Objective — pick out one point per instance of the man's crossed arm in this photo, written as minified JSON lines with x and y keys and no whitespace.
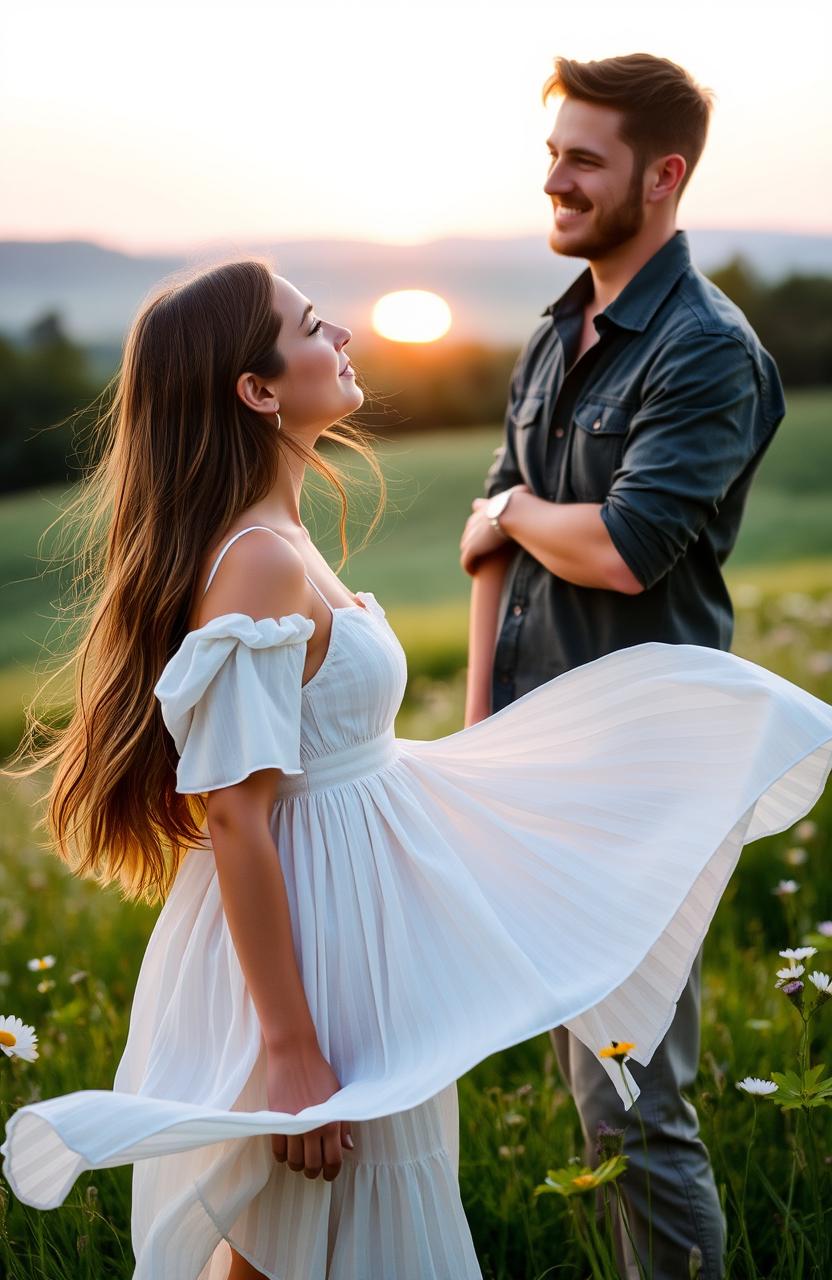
{"x":569,"y":539}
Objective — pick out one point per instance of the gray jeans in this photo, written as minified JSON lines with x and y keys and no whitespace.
{"x":685,"y":1206}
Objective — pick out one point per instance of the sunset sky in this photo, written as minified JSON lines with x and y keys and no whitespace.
{"x":170,"y":125}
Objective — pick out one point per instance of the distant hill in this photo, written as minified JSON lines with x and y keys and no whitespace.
{"x":496,"y":288}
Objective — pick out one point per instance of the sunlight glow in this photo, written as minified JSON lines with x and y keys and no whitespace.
{"x":412,"y":315}
{"x":359,"y":123}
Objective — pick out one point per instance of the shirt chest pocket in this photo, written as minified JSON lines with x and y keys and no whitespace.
{"x":527,"y":412}
{"x":527,"y":415}
{"x":598,"y":438}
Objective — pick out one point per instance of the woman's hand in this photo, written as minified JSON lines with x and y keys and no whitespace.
{"x":299,"y":1077}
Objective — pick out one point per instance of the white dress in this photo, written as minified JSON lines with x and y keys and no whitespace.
{"x":556,"y":864}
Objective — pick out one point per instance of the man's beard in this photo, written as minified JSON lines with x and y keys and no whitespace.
{"x":613,"y":228}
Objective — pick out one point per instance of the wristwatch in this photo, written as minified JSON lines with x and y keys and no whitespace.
{"x":496,"y":506}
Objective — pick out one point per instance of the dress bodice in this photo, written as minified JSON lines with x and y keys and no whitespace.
{"x":234,"y":700}
{"x":356,"y":692}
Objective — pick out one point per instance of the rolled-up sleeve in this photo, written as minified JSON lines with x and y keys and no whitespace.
{"x":700,"y":424}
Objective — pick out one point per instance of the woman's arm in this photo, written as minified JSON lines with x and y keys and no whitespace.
{"x":256,"y":908}
{"x":483,"y":623}
{"x":263,"y":576}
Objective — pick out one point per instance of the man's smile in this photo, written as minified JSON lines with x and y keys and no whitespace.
{"x":565,"y":213}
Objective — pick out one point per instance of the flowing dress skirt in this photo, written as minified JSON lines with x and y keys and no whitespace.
{"x":557,"y":864}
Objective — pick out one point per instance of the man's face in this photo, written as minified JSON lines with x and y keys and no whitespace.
{"x":594,"y":181}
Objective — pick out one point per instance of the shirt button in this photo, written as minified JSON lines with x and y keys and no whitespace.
{"x":517,"y":610}
{"x":559,"y":432}
{"x":596,"y":426}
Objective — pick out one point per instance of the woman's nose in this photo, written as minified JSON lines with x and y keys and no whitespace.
{"x":343,"y":338}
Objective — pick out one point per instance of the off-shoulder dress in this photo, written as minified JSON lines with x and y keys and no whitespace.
{"x":556,"y":864}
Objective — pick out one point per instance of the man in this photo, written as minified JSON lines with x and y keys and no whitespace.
{"x":638,"y":413}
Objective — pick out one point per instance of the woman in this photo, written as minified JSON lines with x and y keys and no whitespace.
{"x":355,"y":919}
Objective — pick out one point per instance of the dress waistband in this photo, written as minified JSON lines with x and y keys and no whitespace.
{"x":346,"y":765}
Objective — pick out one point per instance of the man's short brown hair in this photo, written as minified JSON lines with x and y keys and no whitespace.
{"x":664,"y":111}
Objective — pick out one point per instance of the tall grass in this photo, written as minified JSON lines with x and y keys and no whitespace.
{"x":517,"y":1120}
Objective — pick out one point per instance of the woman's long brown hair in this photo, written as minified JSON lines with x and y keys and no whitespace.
{"x":180,"y":458}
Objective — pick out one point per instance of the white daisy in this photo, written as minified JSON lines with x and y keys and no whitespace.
{"x":42,"y":962}
{"x":795,"y":954}
{"x":759,"y":1087}
{"x":794,"y":972}
{"x":796,"y":857}
{"x":786,"y":887}
{"x":806,"y":830}
{"x":821,"y":981}
{"x":17,"y":1039}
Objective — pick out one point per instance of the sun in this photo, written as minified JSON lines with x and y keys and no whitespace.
{"x":412,"y":315}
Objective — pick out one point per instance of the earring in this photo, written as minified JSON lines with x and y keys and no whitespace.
{"x":277,"y":416}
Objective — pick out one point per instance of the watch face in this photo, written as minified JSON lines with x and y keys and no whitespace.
{"x":495,"y":506}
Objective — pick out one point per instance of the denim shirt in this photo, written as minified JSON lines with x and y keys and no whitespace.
{"x":663,"y":422}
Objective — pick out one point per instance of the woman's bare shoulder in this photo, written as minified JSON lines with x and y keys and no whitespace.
{"x":261,"y":575}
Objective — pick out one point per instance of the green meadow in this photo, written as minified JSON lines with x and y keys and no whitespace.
{"x":411,"y":562}
{"x":517,"y":1120}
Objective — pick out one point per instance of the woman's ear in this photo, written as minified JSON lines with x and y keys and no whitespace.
{"x":256,"y":394}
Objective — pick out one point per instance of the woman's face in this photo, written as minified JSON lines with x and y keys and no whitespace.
{"x":317,"y":387}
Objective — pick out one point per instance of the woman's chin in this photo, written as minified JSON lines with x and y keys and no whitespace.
{"x":351,"y":400}
{"x":356,"y":396}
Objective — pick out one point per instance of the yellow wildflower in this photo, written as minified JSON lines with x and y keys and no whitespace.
{"x":616,"y":1049}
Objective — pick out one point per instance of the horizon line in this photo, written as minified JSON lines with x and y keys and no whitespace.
{"x":180,"y":248}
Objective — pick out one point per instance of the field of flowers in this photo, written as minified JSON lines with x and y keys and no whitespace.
{"x":70,"y":955}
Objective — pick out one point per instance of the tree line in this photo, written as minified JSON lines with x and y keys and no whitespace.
{"x":792,"y":317}
{"x":48,"y":382}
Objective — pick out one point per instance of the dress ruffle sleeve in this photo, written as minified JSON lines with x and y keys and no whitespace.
{"x":231,"y":699}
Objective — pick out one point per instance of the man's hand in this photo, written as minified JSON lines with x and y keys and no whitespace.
{"x":479,"y":537}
